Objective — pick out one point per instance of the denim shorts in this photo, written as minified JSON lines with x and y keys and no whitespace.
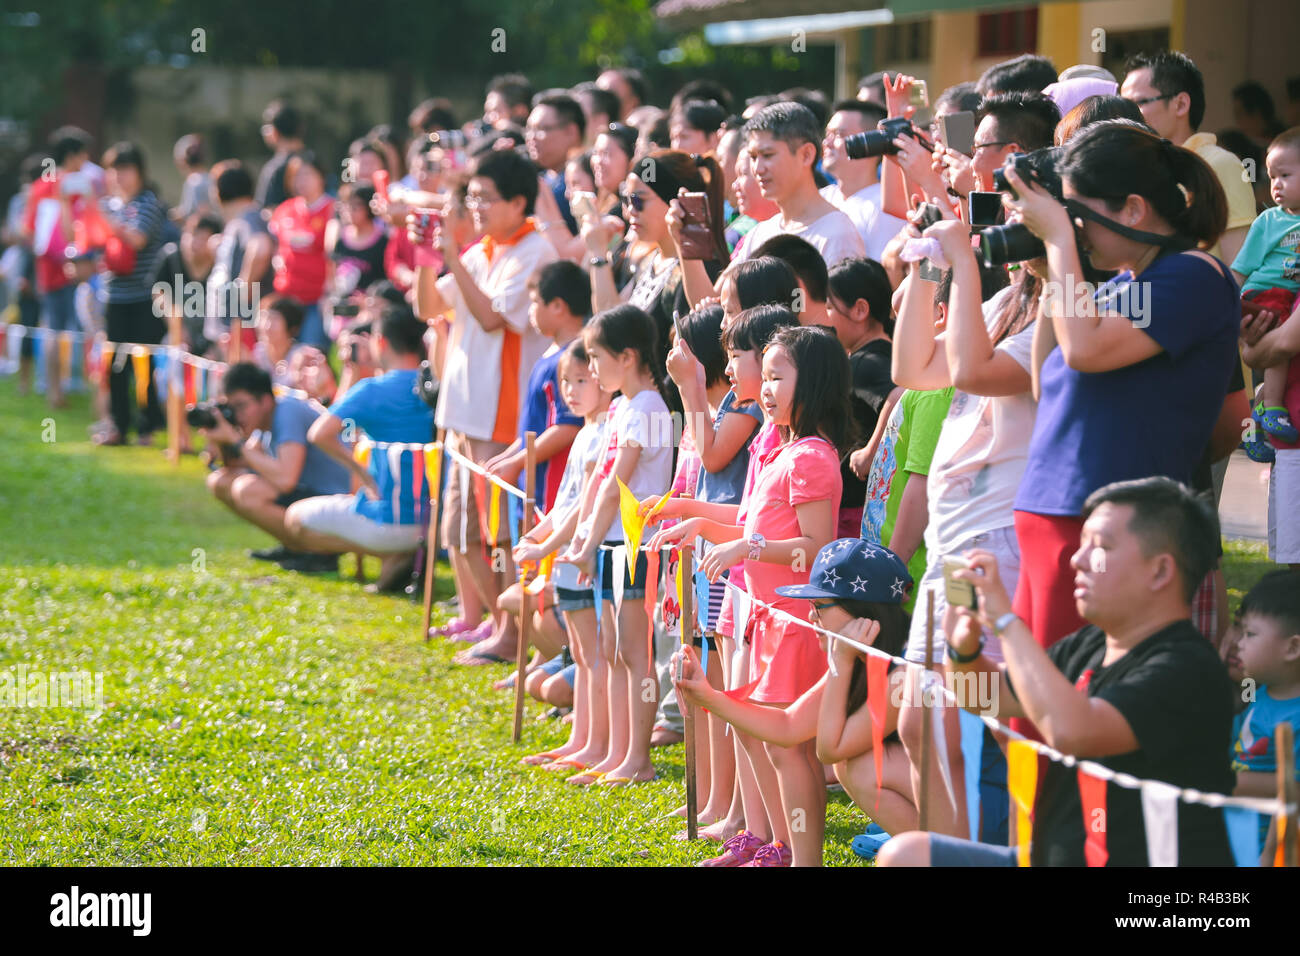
{"x":951,"y":851}
{"x":574,"y":599}
{"x":635,"y":590}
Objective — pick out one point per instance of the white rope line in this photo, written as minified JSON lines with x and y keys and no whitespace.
{"x":500,"y":483}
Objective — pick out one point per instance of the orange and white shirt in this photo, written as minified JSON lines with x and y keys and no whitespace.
{"x":486,"y":374}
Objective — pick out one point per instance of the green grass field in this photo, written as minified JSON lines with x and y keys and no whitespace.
{"x":253,"y":716}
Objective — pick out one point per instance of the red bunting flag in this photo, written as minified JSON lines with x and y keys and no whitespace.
{"x":191,"y":398}
{"x":877,"y":701}
{"x":1092,"y":796}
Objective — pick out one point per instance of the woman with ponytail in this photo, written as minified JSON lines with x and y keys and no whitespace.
{"x":1135,"y":374}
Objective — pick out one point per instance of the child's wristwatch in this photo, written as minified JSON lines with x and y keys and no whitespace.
{"x":756,"y":545}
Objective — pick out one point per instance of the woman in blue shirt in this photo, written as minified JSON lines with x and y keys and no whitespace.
{"x":1133,"y":374}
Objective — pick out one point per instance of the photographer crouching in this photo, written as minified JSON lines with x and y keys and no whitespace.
{"x":267,"y":461}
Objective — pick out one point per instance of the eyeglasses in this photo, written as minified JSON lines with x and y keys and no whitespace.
{"x":1152,"y":99}
{"x":820,"y":606}
{"x":478,"y":202}
{"x":634,"y":201}
{"x":990,"y":145}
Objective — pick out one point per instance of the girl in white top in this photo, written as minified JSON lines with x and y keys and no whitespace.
{"x":589,"y":740}
{"x":985,"y":355}
{"x":621,"y":343}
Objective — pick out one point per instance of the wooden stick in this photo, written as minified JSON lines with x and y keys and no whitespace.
{"x":431,"y":541}
{"x":525,"y":613}
{"x":175,"y":391}
{"x":923,"y":811}
{"x":688,"y":626}
{"x":1284,"y":739}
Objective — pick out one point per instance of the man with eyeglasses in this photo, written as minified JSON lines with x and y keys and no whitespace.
{"x":857,"y":187}
{"x":490,"y":353}
{"x":1010,"y":123}
{"x":556,"y":127}
{"x":1169,"y":90}
{"x":269,"y":463}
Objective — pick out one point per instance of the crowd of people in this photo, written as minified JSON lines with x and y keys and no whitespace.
{"x":994,"y":366}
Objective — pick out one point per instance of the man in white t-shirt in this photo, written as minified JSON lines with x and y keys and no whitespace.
{"x":491,"y":351}
{"x":783,"y":144}
{"x":857,"y":189}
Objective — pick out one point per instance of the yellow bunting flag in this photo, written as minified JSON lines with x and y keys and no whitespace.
{"x":433,"y":467}
{"x":494,"y":513}
{"x":681,"y":573}
{"x":649,"y":518}
{"x":362,"y":453}
{"x":140,"y":360}
{"x":1022,"y":782}
{"x":633,"y":526}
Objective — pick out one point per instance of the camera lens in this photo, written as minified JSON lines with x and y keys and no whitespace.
{"x":1011,"y":243}
{"x":869,"y":145}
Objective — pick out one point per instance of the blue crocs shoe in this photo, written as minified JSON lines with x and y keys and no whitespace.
{"x":1276,"y":422}
{"x":867,"y":845}
{"x":1259,"y":450}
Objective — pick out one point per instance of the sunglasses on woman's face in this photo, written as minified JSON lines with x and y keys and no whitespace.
{"x":633,"y":201}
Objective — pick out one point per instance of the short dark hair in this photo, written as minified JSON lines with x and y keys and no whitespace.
{"x":289,"y":310}
{"x":1255,"y":99}
{"x":1168,"y":517}
{"x":703,"y":115}
{"x":702,"y":331}
{"x":286,"y":120}
{"x":511,"y":174}
{"x":1027,"y":73}
{"x":1173,"y":73}
{"x":959,"y":98}
{"x":189,"y":149}
{"x":762,"y":280}
{"x":602,"y":100}
{"x":403,"y":332}
{"x":791,"y":123}
{"x":753,"y":329}
{"x":247,"y":377}
{"x":234,"y":182}
{"x":871,"y":113}
{"x":432,"y":114}
{"x":514,"y":88}
{"x":801,"y":256}
{"x":1026,"y":118}
{"x":566,"y":281}
{"x":817,"y":102}
{"x":568,"y":109}
{"x":68,"y":141}
{"x":875,"y":82}
{"x":124,"y":154}
{"x":854,"y":279}
{"x":1287,"y":139}
{"x":636,"y":81}
{"x":703,"y":89}
{"x":1276,"y":596}
{"x":1094,"y":109}
{"x":820,"y":405}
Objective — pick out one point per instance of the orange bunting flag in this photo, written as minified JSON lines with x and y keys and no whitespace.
{"x":877,"y":701}
{"x":361,"y":452}
{"x":140,"y":360}
{"x":480,"y":505}
{"x":65,"y":354}
{"x":1092,"y":795}
{"x":1022,"y":782}
{"x":106,"y":364}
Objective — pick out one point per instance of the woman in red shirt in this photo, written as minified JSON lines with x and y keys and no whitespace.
{"x":302,"y":267}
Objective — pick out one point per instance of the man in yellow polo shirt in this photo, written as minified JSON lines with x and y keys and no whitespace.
{"x":1169,"y":90}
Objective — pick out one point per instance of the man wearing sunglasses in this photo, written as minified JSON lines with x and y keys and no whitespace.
{"x":1169,"y":90}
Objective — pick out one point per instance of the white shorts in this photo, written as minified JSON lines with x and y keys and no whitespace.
{"x":1284,"y":508}
{"x":1002,"y":544}
{"x":336,"y":515}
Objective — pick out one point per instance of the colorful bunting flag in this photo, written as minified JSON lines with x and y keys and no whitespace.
{"x":651,"y":592}
{"x":494,"y":514}
{"x":140,"y":362}
{"x":877,"y":707}
{"x":1243,"y":834}
{"x":972,"y":757}
{"x":633,"y":524}
{"x":1092,"y":796}
{"x":1022,"y":783}
{"x":1160,"y":817}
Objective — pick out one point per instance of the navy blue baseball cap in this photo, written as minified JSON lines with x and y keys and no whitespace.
{"x":854,"y":569}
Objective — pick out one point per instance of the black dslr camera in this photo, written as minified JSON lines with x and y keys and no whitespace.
{"x":1014,"y":242}
{"x":880,"y":141}
{"x":204,"y":415}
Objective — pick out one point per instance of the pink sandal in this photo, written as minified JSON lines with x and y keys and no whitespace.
{"x":452,"y":627}
{"x":475,"y":634}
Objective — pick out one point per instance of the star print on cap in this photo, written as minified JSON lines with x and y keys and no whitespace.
{"x":854,"y":569}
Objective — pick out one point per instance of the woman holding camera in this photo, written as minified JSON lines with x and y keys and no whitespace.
{"x":1135,"y":371}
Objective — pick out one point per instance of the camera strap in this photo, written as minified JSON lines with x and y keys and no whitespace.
{"x":1172,"y":243}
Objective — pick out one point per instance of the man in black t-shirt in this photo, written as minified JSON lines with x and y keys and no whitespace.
{"x":1137,"y":690}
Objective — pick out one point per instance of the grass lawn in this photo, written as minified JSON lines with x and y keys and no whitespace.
{"x":253,"y":716}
